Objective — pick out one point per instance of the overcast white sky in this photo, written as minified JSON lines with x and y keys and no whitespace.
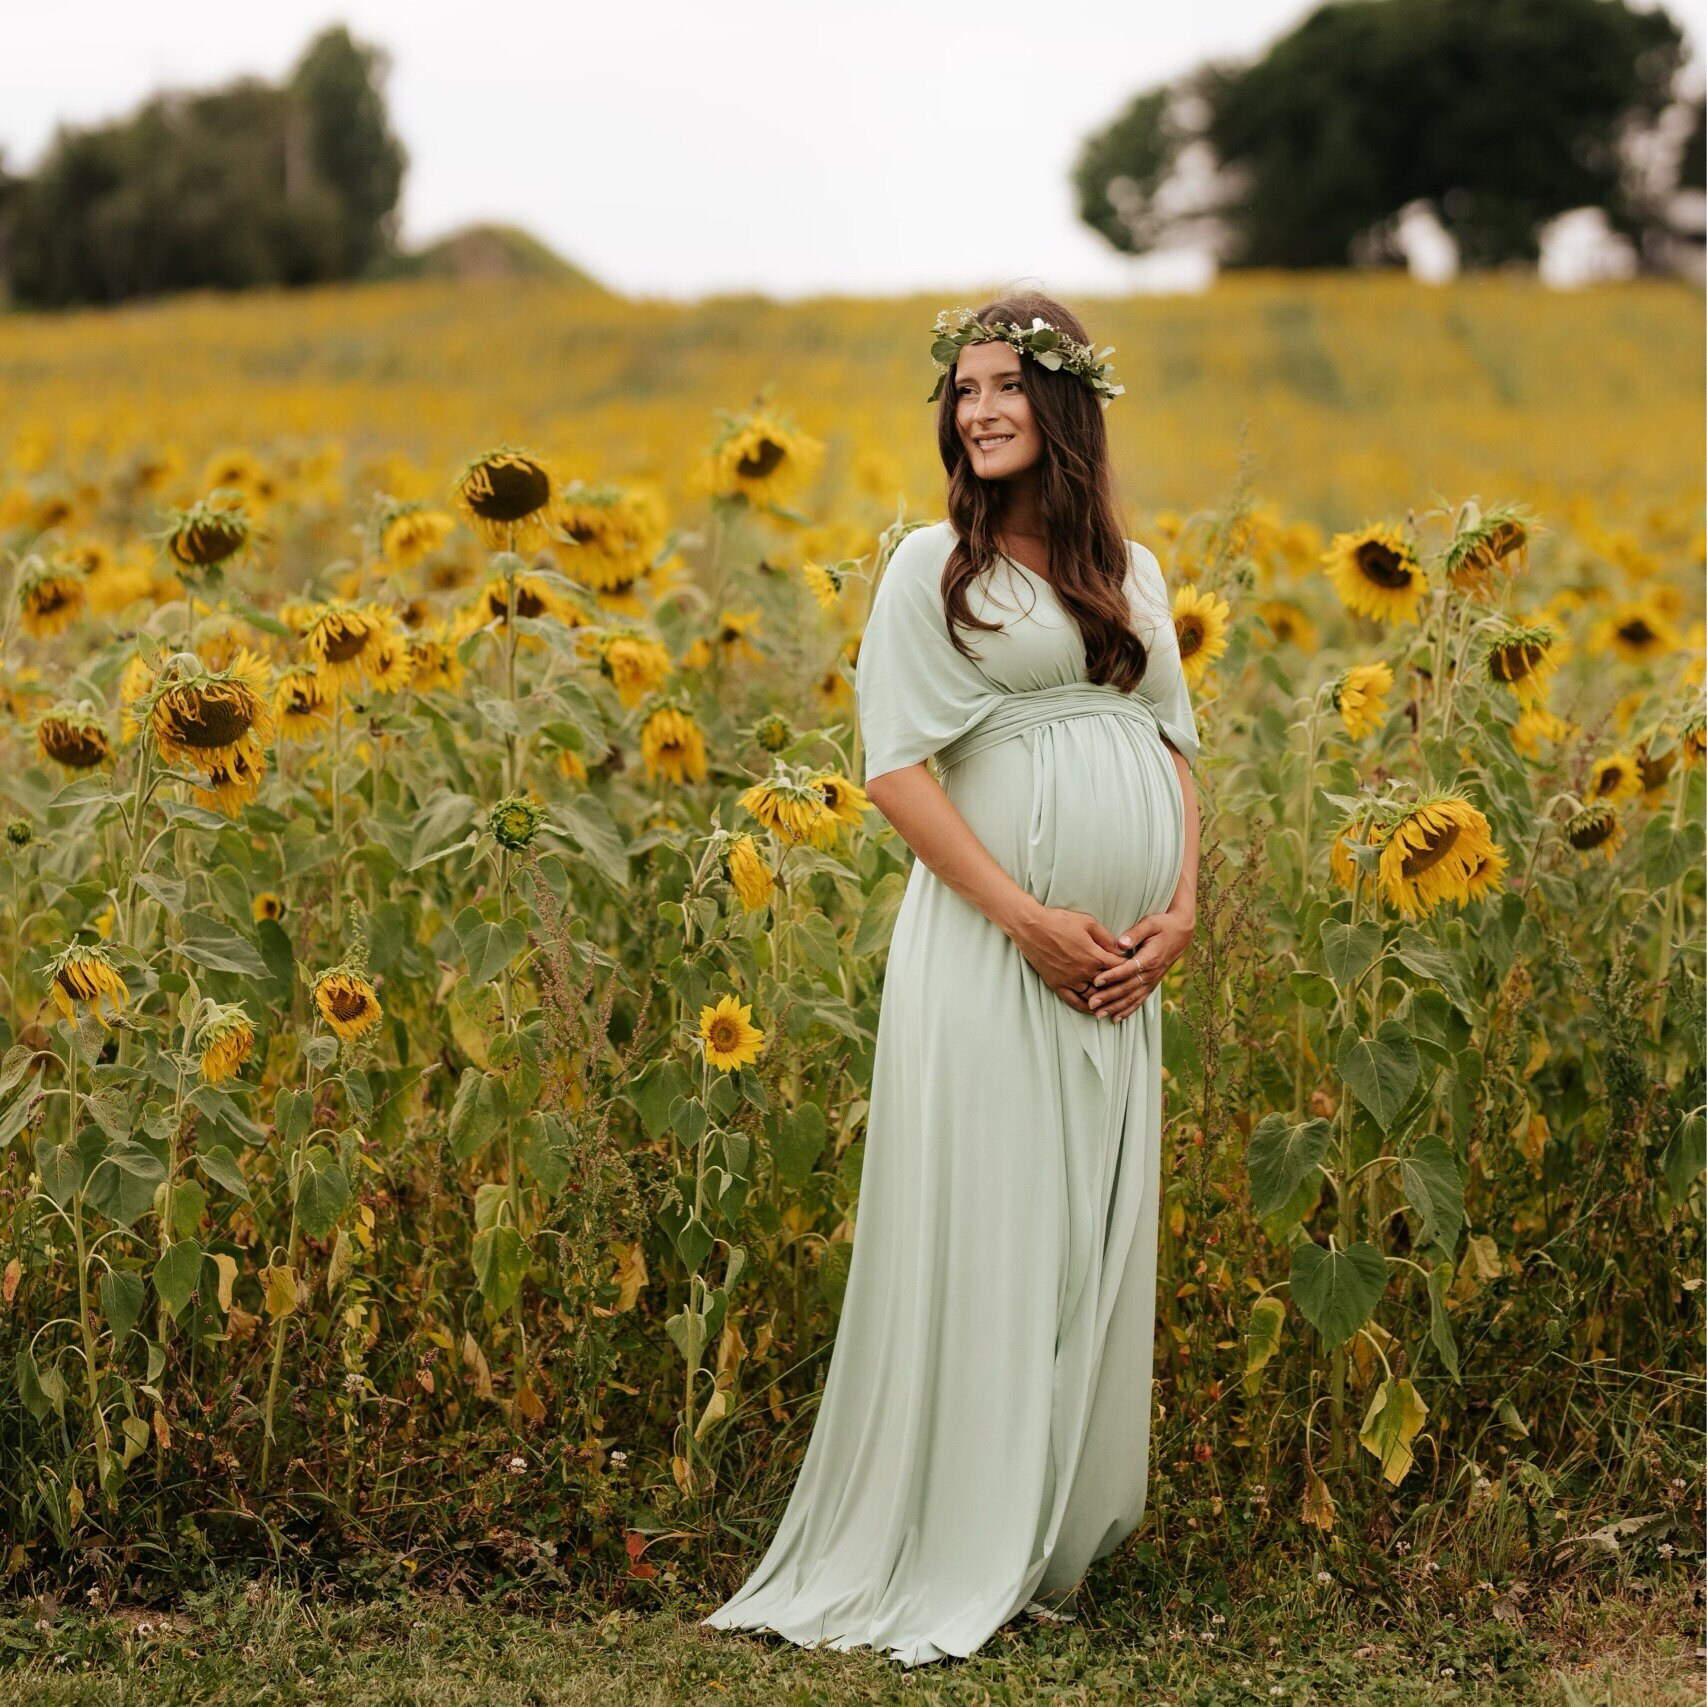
{"x":682,"y":147}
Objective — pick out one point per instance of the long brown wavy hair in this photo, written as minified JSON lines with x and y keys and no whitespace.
{"x":1089,"y":558}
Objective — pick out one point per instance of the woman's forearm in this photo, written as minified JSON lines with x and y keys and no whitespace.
{"x":931,"y":825}
{"x":1183,"y":903}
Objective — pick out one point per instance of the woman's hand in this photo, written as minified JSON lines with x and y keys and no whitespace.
{"x":1156,"y":942}
{"x":1068,"y":948}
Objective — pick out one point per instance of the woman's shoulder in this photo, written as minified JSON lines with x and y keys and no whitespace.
{"x":921,"y":553}
{"x":1149,"y":580}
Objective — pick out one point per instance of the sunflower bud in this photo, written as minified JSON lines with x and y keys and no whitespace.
{"x":515,"y":821}
{"x":20,"y":832}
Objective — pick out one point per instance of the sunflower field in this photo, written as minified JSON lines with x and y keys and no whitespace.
{"x":443,"y":932}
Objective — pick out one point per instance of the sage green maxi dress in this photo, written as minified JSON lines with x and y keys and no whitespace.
{"x":983,"y":1432}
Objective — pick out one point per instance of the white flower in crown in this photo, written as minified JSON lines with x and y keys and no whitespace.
{"x":1049,"y":347}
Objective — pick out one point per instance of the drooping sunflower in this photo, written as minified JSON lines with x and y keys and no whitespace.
{"x":267,"y":905}
{"x":847,"y":801}
{"x":749,"y":874}
{"x":1693,"y":738}
{"x":733,"y":640}
{"x":1430,"y":854}
{"x":1616,"y":776}
{"x":50,"y":598}
{"x":1359,"y":697}
{"x":536,"y":599}
{"x":673,"y":744}
{"x":1655,"y":768}
{"x":301,"y":703}
{"x":209,"y":533}
{"x":411,"y":533}
{"x":390,"y":661}
{"x":825,"y":585}
{"x":226,"y":1040}
{"x":1496,"y":538}
{"x":636,"y":665}
{"x":1535,"y":724}
{"x":210,"y":719}
{"x":1522,"y":658}
{"x":797,"y":811}
{"x":1376,"y":573}
{"x":1341,"y":864}
{"x":81,"y":972}
{"x":759,"y":458}
{"x":433,"y":662}
{"x":608,"y":536}
{"x":505,"y":496}
{"x":1597,"y":828}
{"x":1200,"y":621}
{"x":729,"y":1037}
{"x":74,"y":736}
{"x":343,"y":640}
{"x":347,"y":1002}
{"x":233,"y":783}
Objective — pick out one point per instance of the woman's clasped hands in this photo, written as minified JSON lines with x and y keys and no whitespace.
{"x":1093,"y":970}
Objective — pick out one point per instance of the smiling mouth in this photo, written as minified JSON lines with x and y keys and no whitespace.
{"x":992,"y":443}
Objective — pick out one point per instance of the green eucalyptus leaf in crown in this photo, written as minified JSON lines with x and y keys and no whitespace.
{"x":1047,"y":345}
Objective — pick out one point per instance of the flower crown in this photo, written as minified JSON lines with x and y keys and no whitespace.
{"x":955,"y":328}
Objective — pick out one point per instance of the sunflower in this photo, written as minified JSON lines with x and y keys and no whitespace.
{"x":1522,"y":659}
{"x":607,"y":537}
{"x":847,"y":801}
{"x":51,"y":598}
{"x":234,"y":783}
{"x":773,"y":732}
{"x":1639,"y":632}
{"x":636,"y":665}
{"x":571,"y":765}
{"x":1597,"y":826}
{"x":796,"y":811}
{"x":74,"y":736}
{"x":390,"y":661}
{"x":343,"y":640}
{"x":226,"y":1040}
{"x":825,"y":585}
{"x":135,"y":682}
{"x":433,"y":662}
{"x":730,"y":1040}
{"x":1617,"y":776}
{"x":301,"y":703}
{"x":536,"y":599}
{"x":1200,"y":622}
{"x":732,"y":640}
{"x":238,"y":469}
{"x":81,"y":972}
{"x":208,"y":533}
{"x":750,"y":875}
{"x":347,"y":1002}
{"x":1693,"y":738}
{"x":1287,"y":625}
{"x":410,"y":533}
{"x":113,"y":585}
{"x":1655,"y":771}
{"x":759,"y":458}
{"x":210,"y":718}
{"x":1341,"y":864}
{"x":673,"y":743}
{"x":505,"y":496}
{"x":1430,"y":854}
{"x":1376,"y":573}
{"x":1498,"y":538}
{"x":1534,"y":725}
{"x":267,"y":905}
{"x":1358,"y":697}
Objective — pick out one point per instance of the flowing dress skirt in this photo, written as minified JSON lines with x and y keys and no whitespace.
{"x":983,"y":1433}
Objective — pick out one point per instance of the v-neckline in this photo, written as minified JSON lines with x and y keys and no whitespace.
{"x":1031,"y":572}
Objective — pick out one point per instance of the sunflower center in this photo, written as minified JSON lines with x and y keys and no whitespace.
{"x":725,"y":1036}
{"x":347,"y":1003}
{"x":1382,"y":565}
{"x":210,"y":720}
{"x":79,"y":748}
{"x":1515,"y":662}
{"x":1636,"y":631}
{"x":344,"y":643}
{"x":508,"y":491}
{"x":1423,"y":858}
{"x":761,"y":460}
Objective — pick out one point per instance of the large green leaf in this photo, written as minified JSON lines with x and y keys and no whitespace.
{"x":122,"y":1293}
{"x":1381,"y":1070}
{"x":1336,"y":1291}
{"x":1435,"y":1192}
{"x":176,"y":1274}
{"x":1282,"y":1156}
{"x":488,"y":948}
{"x":1349,"y":950}
{"x":477,"y":1113}
{"x":122,"y":1184}
{"x":500,"y":1264}
{"x":322,"y":1192}
{"x":799,"y":1142}
{"x":212,"y":943}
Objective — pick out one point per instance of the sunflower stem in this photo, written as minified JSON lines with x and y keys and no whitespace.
{"x":103,"y":1441}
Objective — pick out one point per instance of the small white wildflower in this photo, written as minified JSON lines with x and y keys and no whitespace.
{"x":1324,"y":1577}
{"x":1219,"y":1618}
{"x":517,"y":1464}
{"x":619,"y":1456}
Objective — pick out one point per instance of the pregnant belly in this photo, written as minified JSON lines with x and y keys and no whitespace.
{"x":1082,"y":812}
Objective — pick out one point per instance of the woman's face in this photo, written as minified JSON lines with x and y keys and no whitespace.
{"x":993,"y":413}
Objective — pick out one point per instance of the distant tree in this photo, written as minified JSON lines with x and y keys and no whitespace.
{"x":338,"y":105}
{"x":1500,"y":114}
{"x":249,"y":185}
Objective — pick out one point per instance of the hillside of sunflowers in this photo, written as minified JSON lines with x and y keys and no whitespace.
{"x":443,"y":932}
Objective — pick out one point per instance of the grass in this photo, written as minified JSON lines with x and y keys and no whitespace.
{"x":258,"y":1643}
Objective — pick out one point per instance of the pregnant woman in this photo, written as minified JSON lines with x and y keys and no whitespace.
{"x":983,"y":1434}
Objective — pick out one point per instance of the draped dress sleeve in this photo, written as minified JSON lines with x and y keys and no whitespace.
{"x":1164,"y":676}
{"x":915,"y":691}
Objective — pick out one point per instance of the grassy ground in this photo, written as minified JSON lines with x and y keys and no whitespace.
{"x":269,"y":1645}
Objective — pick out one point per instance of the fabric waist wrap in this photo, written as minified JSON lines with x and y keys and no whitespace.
{"x":1014,"y":713}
